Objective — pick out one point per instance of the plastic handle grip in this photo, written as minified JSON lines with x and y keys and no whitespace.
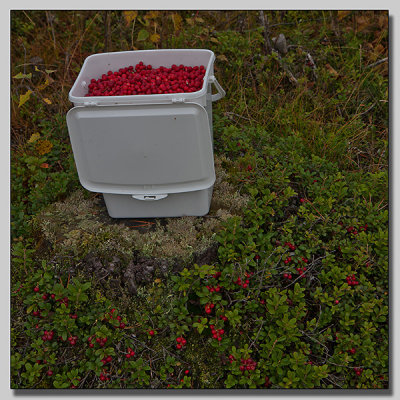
{"x":221,"y":92}
{"x":149,"y":197}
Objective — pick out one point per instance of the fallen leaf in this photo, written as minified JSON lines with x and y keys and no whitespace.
{"x":20,"y":75}
{"x":177,"y":20}
{"x":23,"y":98}
{"x":44,"y":85}
{"x":222,"y":57}
{"x":50,"y":71}
{"x":34,"y":137}
{"x":46,"y":100}
{"x":199,"y":19}
{"x":143,"y":35}
{"x":129,"y":16}
{"x":331,"y":70}
{"x":44,"y":147}
{"x":44,"y":165}
{"x":152,"y":14}
{"x":158,"y":280}
{"x":155,"y":38}
{"x":214,"y":40}
{"x":362,"y":23}
{"x":343,"y":13}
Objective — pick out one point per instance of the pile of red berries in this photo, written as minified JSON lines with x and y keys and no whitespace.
{"x":130,"y":354}
{"x":247,"y":364}
{"x":217,"y":333}
{"x":208,"y":307}
{"x":180,"y":342}
{"x":351,"y":280}
{"x":144,"y":79}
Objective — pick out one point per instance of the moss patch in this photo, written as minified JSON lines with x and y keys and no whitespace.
{"x":80,"y":226}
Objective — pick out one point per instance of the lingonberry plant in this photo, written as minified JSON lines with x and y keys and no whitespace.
{"x":295,"y":294}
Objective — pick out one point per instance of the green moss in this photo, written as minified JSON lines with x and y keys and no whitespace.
{"x":80,"y":225}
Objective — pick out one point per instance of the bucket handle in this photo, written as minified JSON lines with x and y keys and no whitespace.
{"x":221,"y":92}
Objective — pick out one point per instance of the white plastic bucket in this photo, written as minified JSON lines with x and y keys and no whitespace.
{"x":150,"y":155}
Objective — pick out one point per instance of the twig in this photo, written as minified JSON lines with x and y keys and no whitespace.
{"x":377,"y":63}
{"x":107,"y":23}
{"x":267,"y":41}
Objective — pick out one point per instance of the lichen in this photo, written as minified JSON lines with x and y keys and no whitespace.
{"x":80,"y":225}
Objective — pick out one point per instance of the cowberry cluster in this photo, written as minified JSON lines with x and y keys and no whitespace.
{"x":217,"y":333}
{"x":354,"y":231}
{"x":243,"y":283}
{"x":231,"y":358}
{"x":104,"y":377}
{"x":247,"y":364}
{"x":287,"y":276}
{"x":72,"y":340}
{"x":224,"y":318}
{"x":180,"y":342}
{"x":301,"y":271}
{"x":351,"y":280}
{"x":106,"y":360}
{"x":290,"y":245}
{"x":208,"y":307}
{"x":130,"y":353}
{"x":213,"y":289}
{"x":352,"y":350}
{"x":144,"y":79}
{"x":48,"y":335}
{"x":287,"y":261}
{"x":100,"y":341}
{"x":358,"y":370}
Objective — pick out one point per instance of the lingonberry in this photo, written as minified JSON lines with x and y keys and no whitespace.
{"x":36,"y":289}
{"x":49,"y":372}
{"x":151,"y":332}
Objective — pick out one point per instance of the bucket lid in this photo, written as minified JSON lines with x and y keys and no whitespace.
{"x":142,"y":149}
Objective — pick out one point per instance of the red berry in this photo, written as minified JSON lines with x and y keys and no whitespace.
{"x":186,"y":372}
{"x":151,"y":332}
{"x":49,"y":372}
{"x":36,"y":289}
{"x":336,"y":301}
{"x":178,"y":346}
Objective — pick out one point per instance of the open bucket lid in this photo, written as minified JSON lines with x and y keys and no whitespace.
{"x":142,"y":149}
